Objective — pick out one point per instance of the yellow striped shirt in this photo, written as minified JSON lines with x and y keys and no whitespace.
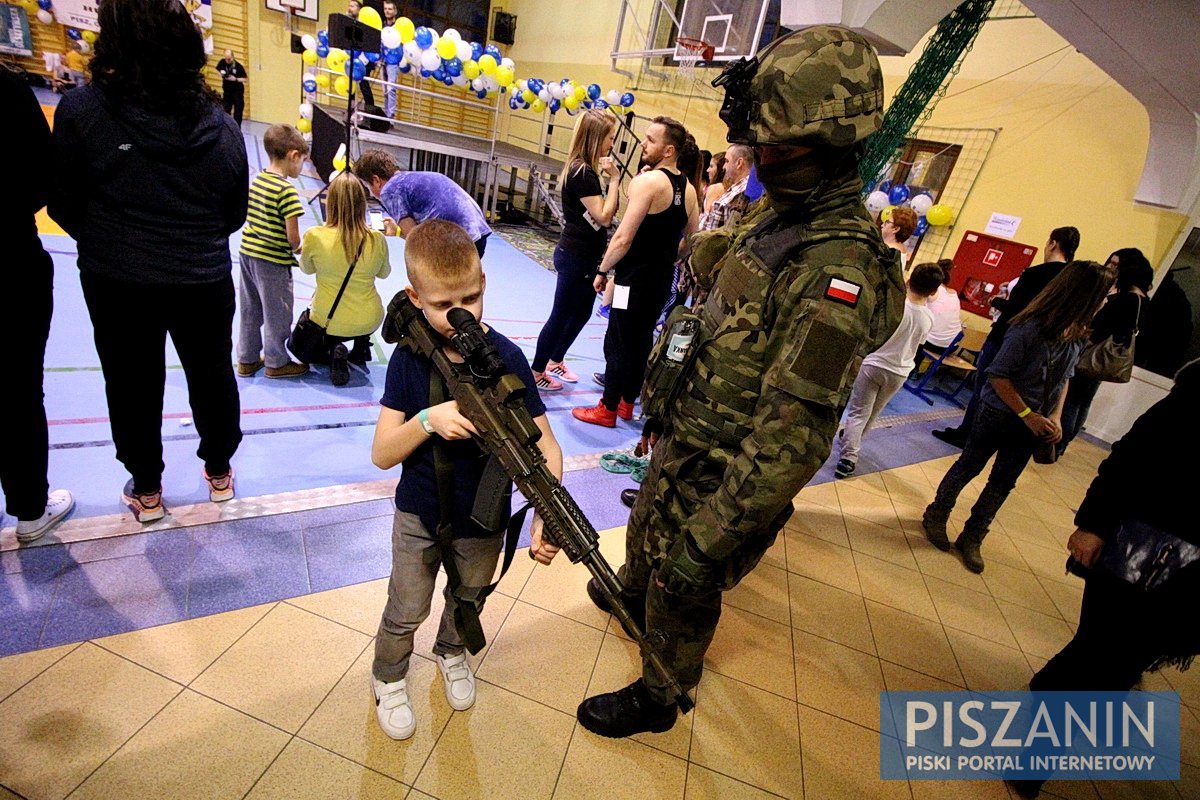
{"x":273,"y":200}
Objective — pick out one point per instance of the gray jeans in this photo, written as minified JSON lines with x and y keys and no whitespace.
{"x":415,"y":562}
{"x":264,"y":311}
{"x":873,"y":387}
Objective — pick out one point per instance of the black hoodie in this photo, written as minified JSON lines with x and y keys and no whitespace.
{"x":147,"y":199}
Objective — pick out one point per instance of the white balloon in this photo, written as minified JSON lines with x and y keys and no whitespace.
{"x":453,"y":34}
{"x":459,"y":80}
{"x":921,"y":203}
{"x":45,"y":17}
{"x":309,"y":41}
{"x":464,"y":50}
{"x":544,"y":94}
{"x":412,"y":53}
{"x":306,"y":110}
{"x":508,"y":62}
{"x":362,"y":59}
{"x":555,"y":90}
{"x":613,"y":97}
{"x":522,"y":84}
{"x":430,"y":60}
{"x":876,"y":201}
{"x":84,"y":47}
{"x":390,"y":37}
{"x":311,"y":72}
{"x":490,"y":83}
{"x":477,"y":83}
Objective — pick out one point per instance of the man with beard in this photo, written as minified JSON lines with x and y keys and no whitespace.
{"x":745,"y":395}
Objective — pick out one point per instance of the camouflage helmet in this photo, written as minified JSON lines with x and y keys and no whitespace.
{"x":818,"y":86}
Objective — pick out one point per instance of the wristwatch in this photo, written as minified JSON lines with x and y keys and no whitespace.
{"x":423,"y":418}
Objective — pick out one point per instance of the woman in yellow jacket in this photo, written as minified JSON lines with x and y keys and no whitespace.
{"x":328,"y":252}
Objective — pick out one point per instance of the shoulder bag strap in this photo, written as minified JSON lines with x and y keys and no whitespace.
{"x":345,"y":281}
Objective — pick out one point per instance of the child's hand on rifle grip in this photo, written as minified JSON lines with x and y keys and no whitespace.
{"x":448,"y":422}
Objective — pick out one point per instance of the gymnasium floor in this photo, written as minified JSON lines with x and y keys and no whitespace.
{"x":224,"y":651}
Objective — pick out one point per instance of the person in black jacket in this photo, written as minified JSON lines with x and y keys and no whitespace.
{"x":1123,"y":630}
{"x":1119,"y":318}
{"x":233,"y":85}
{"x":29,"y":289}
{"x":1059,"y":250}
{"x":150,"y":180}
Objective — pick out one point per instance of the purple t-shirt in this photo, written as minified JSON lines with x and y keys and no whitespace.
{"x":431,"y":195}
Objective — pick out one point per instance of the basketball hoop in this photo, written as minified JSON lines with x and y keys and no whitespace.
{"x":291,"y":9}
{"x":690,"y":52}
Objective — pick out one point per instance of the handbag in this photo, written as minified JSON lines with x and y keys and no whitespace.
{"x":307,"y":339}
{"x":1108,"y":361}
{"x":1145,"y":556}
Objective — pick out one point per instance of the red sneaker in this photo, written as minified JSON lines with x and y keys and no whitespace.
{"x":599,"y":415}
{"x":625,"y":410}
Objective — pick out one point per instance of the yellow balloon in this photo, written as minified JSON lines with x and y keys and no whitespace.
{"x":581,"y":93}
{"x":571,"y":102}
{"x":538,"y":105}
{"x":89,"y":37}
{"x":341,"y":85}
{"x":337,"y":59}
{"x":446,"y":48}
{"x":339,"y":163}
{"x":309,"y":57}
{"x":303,"y":125}
{"x":939,"y":215}
{"x":886,"y":214}
{"x":528,"y":96}
{"x":470,"y":69}
{"x":370,"y":17}
{"x":487,"y":64}
{"x":406,"y":29}
{"x":322,"y":80}
{"x":504,"y":75}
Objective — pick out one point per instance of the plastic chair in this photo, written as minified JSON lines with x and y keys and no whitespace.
{"x":961,"y":355}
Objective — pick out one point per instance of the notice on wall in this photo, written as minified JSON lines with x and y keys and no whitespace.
{"x":79,"y":14}
{"x":1003,"y":225}
{"x":14,"y":32}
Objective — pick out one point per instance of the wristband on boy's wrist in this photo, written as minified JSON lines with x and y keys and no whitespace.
{"x":602,"y":273}
{"x":1025,"y":412}
{"x":423,"y":418}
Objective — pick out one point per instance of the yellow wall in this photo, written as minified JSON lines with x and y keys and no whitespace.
{"x":274,"y":71}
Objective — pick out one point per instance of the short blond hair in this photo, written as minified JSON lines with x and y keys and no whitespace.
{"x":437,"y":251}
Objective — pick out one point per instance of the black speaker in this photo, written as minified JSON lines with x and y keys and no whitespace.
{"x":504,"y":28}
{"x":297,"y":45}
{"x":350,"y":34}
{"x":328,"y":134}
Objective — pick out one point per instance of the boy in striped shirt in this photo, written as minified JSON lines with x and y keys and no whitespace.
{"x":267,"y":254}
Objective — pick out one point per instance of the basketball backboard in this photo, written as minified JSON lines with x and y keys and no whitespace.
{"x":733,"y":28}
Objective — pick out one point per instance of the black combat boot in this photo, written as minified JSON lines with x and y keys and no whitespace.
{"x":635,"y":603}
{"x":968,"y":544}
{"x":934,"y":523}
{"x":626,"y":712}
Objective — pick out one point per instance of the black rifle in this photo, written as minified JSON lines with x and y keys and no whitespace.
{"x":493,"y":399}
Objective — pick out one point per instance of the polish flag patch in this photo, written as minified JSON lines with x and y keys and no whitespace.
{"x":843,"y":291}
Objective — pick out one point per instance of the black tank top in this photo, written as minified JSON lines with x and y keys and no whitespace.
{"x":651,"y":257}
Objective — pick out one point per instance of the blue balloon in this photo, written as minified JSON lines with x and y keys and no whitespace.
{"x":44,"y":5}
{"x":536,"y":85}
{"x":423,"y":37}
{"x":513,"y":103}
{"x":371,"y":57}
{"x":884,"y":186}
{"x":627,"y":99}
{"x":359,"y":72}
{"x":554,"y":106}
{"x":426,"y":73}
{"x":898,"y":194}
{"x":439,"y":74}
{"x":74,"y":34}
{"x":922,"y":226}
{"x":322,"y":50}
{"x":476,"y":51}
{"x":448,"y":80}
{"x":494,"y":52}
{"x":593,"y":91}
{"x":310,"y":85}
{"x":323,"y":37}
{"x":405,"y":68}
{"x":392,"y":55}
{"x":481,"y":94}
{"x":601,"y":104}
{"x":587,"y":104}
{"x":453,"y":67}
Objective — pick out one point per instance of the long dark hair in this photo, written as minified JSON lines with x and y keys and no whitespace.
{"x":151,"y":54}
{"x":1064,"y":309}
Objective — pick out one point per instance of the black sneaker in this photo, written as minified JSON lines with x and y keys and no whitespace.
{"x":339,"y":366}
{"x":934,"y":523}
{"x":844,"y":468}
{"x":951,"y":436}
{"x":626,"y":712}
{"x":635,"y":604}
{"x":598,"y":377}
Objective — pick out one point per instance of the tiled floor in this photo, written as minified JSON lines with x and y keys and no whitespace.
{"x":273,"y":701}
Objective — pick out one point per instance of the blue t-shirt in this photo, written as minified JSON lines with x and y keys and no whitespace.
{"x":406,"y":390}
{"x":1022,"y":359}
{"x":431,"y":195}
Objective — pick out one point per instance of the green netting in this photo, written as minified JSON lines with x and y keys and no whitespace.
{"x":925,"y":85}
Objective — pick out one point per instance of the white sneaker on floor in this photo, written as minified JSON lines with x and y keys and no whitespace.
{"x":58,"y":504}
{"x":460,"y":682}
{"x":392,"y":708}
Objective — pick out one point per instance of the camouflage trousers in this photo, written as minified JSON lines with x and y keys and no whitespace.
{"x":677,"y":484}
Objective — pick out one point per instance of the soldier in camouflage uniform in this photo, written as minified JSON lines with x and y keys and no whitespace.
{"x":801,"y":289}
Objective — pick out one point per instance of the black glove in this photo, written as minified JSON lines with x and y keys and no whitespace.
{"x":687,"y":572}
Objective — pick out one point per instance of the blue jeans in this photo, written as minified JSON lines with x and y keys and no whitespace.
{"x":994,"y":432}
{"x":390,"y":72}
{"x":1080,"y":394}
{"x":573,"y":298}
{"x":987,"y":354}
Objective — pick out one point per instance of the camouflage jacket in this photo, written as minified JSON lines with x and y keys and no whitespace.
{"x":797,"y":300}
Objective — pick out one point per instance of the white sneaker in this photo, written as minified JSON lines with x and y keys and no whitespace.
{"x":58,"y":504}
{"x":460,"y":682}
{"x":392,"y":708}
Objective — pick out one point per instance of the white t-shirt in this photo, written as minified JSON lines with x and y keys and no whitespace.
{"x":898,"y":353}
{"x":947,"y":320}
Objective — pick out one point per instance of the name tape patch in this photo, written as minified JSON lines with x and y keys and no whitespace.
{"x":843,"y":291}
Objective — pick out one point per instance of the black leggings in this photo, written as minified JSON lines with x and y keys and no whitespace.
{"x":628,"y":342}
{"x":235,"y":104}
{"x":574,"y":296}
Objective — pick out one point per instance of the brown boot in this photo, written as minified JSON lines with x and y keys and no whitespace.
{"x":246,"y":369}
{"x":288,"y":370}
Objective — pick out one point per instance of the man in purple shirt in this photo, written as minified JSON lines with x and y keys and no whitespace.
{"x":410,"y":198}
